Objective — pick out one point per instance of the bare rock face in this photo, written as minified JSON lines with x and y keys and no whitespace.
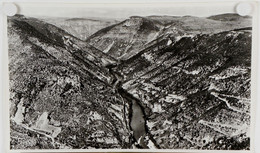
{"x":147,"y":82}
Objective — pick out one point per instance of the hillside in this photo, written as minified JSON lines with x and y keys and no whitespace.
{"x":156,"y":82}
{"x":198,"y":87}
{"x":57,"y":98}
{"x":81,"y":28}
{"x":125,"y":39}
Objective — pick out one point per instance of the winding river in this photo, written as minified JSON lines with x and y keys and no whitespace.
{"x":137,"y":117}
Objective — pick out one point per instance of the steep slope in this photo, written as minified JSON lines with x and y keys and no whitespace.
{"x":168,"y":85}
{"x":91,"y":58}
{"x":81,"y":28}
{"x":58,"y":100}
{"x":196,"y":91}
{"x":127,"y":38}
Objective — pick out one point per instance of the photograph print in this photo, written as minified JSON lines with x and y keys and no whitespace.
{"x":133,"y":77}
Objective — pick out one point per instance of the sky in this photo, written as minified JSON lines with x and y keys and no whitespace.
{"x":124,"y":10}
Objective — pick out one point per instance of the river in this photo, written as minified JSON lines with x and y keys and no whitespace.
{"x":137,"y":116}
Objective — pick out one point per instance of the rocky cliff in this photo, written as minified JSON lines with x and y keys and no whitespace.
{"x":188,"y":78}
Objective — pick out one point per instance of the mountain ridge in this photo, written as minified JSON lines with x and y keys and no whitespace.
{"x":159,"y":26}
{"x":192,"y":89}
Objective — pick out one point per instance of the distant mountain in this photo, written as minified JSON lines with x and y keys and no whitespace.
{"x":81,"y":28}
{"x":188,"y":78}
{"x":127,"y":38}
{"x":230,"y":17}
{"x":164,"y":19}
{"x":41,"y":32}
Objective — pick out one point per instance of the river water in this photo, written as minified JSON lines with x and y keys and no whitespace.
{"x":137,"y":118}
{"x":137,"y":121}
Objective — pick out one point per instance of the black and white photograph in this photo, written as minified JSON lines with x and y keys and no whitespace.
{"x":129,"y":77}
